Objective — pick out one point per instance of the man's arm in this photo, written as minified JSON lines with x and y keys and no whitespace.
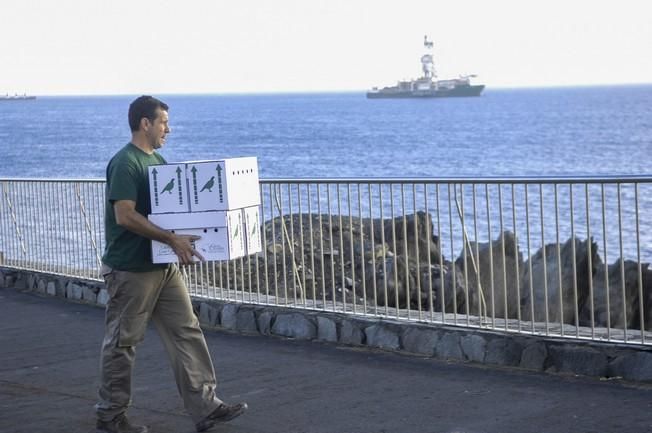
{"x":127,"y":217}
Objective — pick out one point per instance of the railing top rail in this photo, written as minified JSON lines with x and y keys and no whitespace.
{"x":644,"y":178}
{"x":51,"y":179}
{"x":469,"y":180}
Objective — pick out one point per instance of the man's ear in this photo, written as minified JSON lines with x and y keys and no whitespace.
{"x":145,"y":123}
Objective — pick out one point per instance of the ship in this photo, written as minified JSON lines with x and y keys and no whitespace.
{"x":428,"y":86}
{"x":16,"y":97}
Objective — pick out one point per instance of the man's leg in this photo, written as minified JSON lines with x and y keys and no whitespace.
{"x":184,"y":341}
{"x":132,"y":296}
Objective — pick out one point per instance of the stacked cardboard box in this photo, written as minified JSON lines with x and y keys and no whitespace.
{"x":216,"y":200}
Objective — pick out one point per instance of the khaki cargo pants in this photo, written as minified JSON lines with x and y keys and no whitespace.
{"x":134,"y":298}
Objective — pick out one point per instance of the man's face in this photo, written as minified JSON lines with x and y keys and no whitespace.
{"x":158,"y":129}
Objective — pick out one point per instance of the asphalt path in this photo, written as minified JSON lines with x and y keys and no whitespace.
{"x":49,"y":358}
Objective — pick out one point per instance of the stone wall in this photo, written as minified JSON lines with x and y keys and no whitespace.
{"x":554,"y":355}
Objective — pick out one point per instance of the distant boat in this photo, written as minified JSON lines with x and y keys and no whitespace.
{"x":428,"y":86}
{"x":16,"y":97}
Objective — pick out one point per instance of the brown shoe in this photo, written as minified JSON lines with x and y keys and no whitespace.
{"x":119,"y":424}
{"x":223,"y":413}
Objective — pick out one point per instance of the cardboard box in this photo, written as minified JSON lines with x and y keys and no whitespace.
{"x":221,"y":232}
{"x":252,"y":229}
{"x":168,"y":188}
{"x":223,"y":184}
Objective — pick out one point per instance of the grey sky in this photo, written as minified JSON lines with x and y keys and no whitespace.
{"x":202,"y":46}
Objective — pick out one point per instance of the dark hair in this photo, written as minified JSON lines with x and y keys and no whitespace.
{"x":144,"y":106}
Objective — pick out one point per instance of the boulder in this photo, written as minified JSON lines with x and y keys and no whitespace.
{"x":449,"y":294}
{"x":382,"y":337}
{"x":422,"y":341}
{"x":350,"y":333}
{"x":492,"y":276}
{"x":326,"y":329}
{"x":474,"y":347}
{"x":616,"y":300}
{"x":294,"y":325}
{"x":246,"y":321}
{"x":410,"y":235}
{"x":264,"y":321}
{"x":228,"y":316}
{"x":562,"y":299}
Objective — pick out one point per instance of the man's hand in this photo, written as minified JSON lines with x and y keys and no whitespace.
{"x":127,"y":217}
{"x":183,"y":247}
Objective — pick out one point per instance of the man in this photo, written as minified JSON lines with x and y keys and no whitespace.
{"x":139,"y":290}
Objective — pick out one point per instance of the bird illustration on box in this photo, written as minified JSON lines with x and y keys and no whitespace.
{"x":209,"y":185}
{"x":168,"y":187}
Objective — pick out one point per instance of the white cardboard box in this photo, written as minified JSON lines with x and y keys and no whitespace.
{"x":168,"y":188}
{"x":252,"y":228}
{"x":221,"y":232}
{"x":223,"y":184}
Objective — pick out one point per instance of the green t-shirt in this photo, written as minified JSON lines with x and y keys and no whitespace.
{"x":127,"y":179}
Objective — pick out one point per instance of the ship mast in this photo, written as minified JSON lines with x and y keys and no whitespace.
{"x":427,"y":63}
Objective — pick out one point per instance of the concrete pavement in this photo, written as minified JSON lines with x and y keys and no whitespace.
{"x":49,"y":354}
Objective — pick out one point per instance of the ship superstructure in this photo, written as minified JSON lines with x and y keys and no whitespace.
{"x":16,"y":97}
{"x":427,"y":86}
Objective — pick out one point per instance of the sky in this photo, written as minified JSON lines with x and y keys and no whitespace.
{"x":82,"y":47}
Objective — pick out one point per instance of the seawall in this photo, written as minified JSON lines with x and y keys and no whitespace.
{"x":514,"y":350}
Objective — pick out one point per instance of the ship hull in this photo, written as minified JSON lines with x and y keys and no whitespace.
{"x":458,"y":91}
{"x":17,"y":98}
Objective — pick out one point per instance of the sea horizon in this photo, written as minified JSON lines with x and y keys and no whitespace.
{"x":325,"y":91}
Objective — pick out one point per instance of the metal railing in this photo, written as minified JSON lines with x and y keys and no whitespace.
{"x":563,"y":256}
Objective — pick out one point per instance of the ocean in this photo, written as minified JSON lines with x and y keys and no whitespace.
{"x":588,"y":131}
{"x":520,"y":132}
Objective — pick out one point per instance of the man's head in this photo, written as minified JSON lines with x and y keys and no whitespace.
{"x":148,"y":120}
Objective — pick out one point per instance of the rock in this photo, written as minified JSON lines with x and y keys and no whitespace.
{"x":500,"y":294}
{"x":534,"y":357}
{"x":51,"y":288}
{"x":73,"y":291}
{"x":380,"y":251}
{"x":264,"y":321}
{"x":20,"y":282}
{"x":422,"y":341}
{"x":578,"y":360}
{"x":380,"y":336}
{"x":275,"y":249}
{"x":404,"y":282}
{"x":473,"y":347}
{"x":623,"y":310}
{"x":89,"y":294}
{"x":448,"y":347}
{"x":350,"y":333}
{"x":209,"y":315}
{"x":294,"y":325}
{"x":503,"y":351}
{"x":228,"y":316}
{"x":634,"y":366}
{"x":411,"y":233}
{"x":102,"y":296}
{"x":448,"y":288}
{"x":326,"y":329}
{"x":246,"y":321}
{"x":647,"y":298}
{"x":561,"y":299}
{"x":61,"y":285}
